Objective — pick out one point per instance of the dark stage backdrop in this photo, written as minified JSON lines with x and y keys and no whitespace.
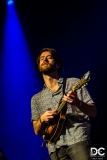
{"x":78,"y":31}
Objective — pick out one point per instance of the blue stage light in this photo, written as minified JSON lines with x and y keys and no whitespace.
{"x":18,"y":82}
{"x":10,"y":2}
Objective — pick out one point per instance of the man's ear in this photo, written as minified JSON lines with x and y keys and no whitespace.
{"x":57,"y":65}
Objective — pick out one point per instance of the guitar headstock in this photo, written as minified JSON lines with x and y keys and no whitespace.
{"x":83,"y":81}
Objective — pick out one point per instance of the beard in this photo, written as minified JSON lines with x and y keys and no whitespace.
{"x":48,"y":69}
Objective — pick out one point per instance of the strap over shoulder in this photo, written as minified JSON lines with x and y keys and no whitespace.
{"x":64,"y":85}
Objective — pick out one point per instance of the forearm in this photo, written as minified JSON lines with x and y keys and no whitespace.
{"x":86,"y":108}
{"x":38,"y":127}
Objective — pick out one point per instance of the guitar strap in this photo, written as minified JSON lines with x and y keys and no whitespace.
{"x":63,"y":89}
{"x":64,"y":85}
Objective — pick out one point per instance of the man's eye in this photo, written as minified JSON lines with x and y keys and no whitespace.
{"x":41,"y":58}
{"x":49,"y":57}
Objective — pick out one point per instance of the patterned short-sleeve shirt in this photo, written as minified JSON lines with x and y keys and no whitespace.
{"x":77,"y":126}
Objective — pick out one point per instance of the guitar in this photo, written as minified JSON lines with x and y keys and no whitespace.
{"x":53,"y":129}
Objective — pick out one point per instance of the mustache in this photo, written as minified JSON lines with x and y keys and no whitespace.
{"x":44,"y":63}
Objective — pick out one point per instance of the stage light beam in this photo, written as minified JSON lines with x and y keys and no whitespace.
{"x":18,"y":83}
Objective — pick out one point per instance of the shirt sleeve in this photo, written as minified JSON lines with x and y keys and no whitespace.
{"x":34,"y":109}
{"x":84,"y":95}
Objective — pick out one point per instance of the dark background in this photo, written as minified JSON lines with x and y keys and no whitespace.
{"x":78,"y":31}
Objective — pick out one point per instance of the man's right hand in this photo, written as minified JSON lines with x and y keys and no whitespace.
{"x":48,"y":116}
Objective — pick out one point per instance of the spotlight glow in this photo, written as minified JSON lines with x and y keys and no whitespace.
{"x":10,"y":2}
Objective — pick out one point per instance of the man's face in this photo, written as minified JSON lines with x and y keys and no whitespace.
{"x":47,"y":64}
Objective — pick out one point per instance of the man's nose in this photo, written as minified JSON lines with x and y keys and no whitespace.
{"x":45,"y":59}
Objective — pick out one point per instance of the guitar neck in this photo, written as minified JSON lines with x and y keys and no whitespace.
{"x":63,"y":103}
{"x":83,"y":82}
{"x":61,"y":106}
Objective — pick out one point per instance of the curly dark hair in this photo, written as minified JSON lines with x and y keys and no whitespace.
{"x":54,"y":54}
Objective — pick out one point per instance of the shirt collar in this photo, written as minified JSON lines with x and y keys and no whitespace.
{"x":60,"y":81}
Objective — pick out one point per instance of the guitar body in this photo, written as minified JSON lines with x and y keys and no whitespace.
{"x":53,"y":131}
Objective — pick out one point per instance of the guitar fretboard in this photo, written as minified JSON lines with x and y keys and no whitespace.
{"x":61,"y":105}
{"x":83,"y":82}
